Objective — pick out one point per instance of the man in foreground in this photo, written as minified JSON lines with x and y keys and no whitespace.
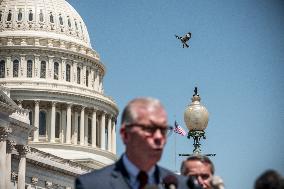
{"x":143,"y":131}
{"x":199,"y":167}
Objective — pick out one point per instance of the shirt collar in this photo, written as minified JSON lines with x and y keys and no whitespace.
{"x":133,"y":170}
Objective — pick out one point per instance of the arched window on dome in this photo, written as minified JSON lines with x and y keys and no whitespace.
{"x":29,"y":68}
{"x":51,"y":19}
{"x":0,"y":16}
{"x":68,"y":70}
{"x":9,"y":17}
{"x":20,"y":15}
{"x":56,"y":70}
{"x":42,"y":123}
{"x":76,"y":25}
{"x":41,"y":16}
{"x":42,"y":69}
{"x":78,"y":75}
{"x":2,"y":69}
{"x":69,"y":21}
{"x":31,"y":16}
{"x":81,"y":27}
{"x":87,"y":78}
{"x":16,"y":68}
{"x":60,"y":19}
{"x":57,"y":125}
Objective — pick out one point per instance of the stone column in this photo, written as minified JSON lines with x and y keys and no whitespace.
{"x":109,"y":147}
{"x":94,"y":128}
{"x":103,"y":130}
{"x":89,"y":78}
{"x":48,"y":125}
{"x":23,"y":66}
{"x":92,"y":84}
{"x":113,"y":140}
{"x":23,"y":150}
{"x":9,"y":68}
{"x":63,"y":70}
{"x":74,"y":71}
{"x":3,"y":146}
{"x":10,"y":148}
{"x":63,"y":126}
{"x":101,"y":84}
{"x":68,"y":125}
{"x":52,"y":124}
{"x":50,"y":68}
{"x":83,"y":75}
{"x":75,"y":134}
{"x":86,"y":130}
{"x":82,"y":119}
{"x":37,"y":66}
{"x":96,"y":84}
{"x":36,"y":121}
{"x":71,"y":71}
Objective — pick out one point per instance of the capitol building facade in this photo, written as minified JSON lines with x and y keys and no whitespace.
{"x":55,"y":120}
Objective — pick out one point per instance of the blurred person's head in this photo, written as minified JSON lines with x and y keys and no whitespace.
{"x":269,"y":179}
{"x":143,"y":131}
{"x":200,"y":167}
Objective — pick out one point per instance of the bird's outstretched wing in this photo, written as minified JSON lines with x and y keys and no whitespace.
{"x":177,"y":37}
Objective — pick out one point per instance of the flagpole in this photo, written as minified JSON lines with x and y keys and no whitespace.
{"x":175,"y":155}
{"x":175,"y":151}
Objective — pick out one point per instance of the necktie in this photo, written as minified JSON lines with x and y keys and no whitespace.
{"x":142,"y":177}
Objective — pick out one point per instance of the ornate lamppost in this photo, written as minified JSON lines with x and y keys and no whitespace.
{"x":196,"y":119}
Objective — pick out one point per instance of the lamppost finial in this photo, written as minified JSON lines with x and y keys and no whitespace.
{"x":195,"y":92}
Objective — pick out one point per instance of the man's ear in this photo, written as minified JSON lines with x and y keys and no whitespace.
{"x":123,"y":134}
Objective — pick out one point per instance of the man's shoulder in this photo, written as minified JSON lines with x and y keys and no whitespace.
{"x":164,"y":171}
{"x":96,"y":177}
{"x":98,"y":172}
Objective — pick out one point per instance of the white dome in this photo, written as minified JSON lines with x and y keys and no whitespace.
{"x":48,"y":64}
{"x":55,"y":19}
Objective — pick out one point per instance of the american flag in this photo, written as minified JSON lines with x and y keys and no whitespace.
{"x":179,"y":130}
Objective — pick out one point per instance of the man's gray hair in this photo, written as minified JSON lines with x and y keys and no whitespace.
{"x":201,"y":158}
{"x":129,"y":115}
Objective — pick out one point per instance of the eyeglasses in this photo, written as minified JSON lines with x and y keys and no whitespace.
{"x":151,"y":129}
{"x":203,"y":176}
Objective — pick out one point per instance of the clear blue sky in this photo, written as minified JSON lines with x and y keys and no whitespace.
{"x":236,"y":59}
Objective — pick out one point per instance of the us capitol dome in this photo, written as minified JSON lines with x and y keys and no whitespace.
{"x":53,"y":79}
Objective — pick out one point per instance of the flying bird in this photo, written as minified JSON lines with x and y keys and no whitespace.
{"x":184,"y":39}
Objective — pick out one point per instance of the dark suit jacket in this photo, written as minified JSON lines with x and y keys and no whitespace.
{"x":115,"y":176}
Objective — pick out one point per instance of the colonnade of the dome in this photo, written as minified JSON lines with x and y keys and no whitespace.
{"x":64,"y":123}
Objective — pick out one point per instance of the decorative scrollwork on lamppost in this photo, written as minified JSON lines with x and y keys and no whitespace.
{"x":196,"y":119}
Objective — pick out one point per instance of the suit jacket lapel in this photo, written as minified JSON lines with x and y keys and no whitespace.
{"x":120,"y":176}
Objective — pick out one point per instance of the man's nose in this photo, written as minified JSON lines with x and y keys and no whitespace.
{"x":158,"y":133}
{"x":158,"y":137}
{"x":200,"y":181}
